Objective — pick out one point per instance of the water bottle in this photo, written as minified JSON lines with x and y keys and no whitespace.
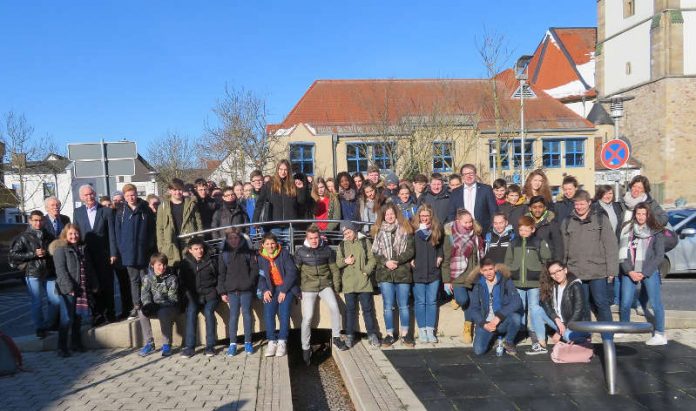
{"x":499,"y":349}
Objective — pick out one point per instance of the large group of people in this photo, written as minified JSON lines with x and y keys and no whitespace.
{"x":517,"y":263}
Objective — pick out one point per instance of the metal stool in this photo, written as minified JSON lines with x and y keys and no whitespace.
{"x":609,"y":347}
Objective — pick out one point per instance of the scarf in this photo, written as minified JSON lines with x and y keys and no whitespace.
{"x":81,"y":301}
{"x":348,"y":195}
{"x":424,"y":232}
{"x":276,"y":277}
{"x":391,"y":241}
{"x":613,"y":218}
{"x":639,"y":245}
{"x":463,"y":245}
{"x":631,"y":202}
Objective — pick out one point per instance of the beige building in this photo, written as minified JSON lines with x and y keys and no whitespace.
{"x":647,"y":50}
{"x":412,"y":126}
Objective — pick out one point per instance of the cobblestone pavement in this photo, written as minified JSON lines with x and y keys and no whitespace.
{"x":120,"y":379}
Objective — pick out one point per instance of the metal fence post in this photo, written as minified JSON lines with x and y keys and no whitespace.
{"x":291,"y":238}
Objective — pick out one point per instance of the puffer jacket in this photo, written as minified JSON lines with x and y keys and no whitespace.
{"x":590,"y":247}
{"x":464,"y":279}
{"x":317,"y":267}
{"x":526,"y":258}
{"x":402,"y":273}
{"x":356,"y":278}
{"x":288,"y":272}
{"x":227,"y":216}
{"x":67,"y":262}
{"x":426,"y":269}
{"x":238,"y":269}
{"x":572,"y":302}
{"x":199,"y":278}
{"x":506,"y":299}
{"x":23,"y":250}
{"x":497,"y":244}
{"x":162,"y":290}
{"x":548,"y":229}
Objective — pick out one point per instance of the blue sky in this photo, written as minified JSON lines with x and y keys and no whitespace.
{"x":83,"y":70}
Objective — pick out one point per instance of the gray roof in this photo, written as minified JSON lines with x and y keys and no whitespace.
{"x":45,"y":166}
{"x":599,"y":116}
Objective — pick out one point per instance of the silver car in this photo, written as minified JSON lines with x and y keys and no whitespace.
{"x":682,"y":259}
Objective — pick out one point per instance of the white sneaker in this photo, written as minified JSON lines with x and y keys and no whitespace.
{"x":271,"y":349}
{"x":639,"y":311}
{"x":657,"y":339}
{"x":282,"y":349}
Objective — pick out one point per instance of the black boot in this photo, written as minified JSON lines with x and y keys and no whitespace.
{"x":307,"y":356}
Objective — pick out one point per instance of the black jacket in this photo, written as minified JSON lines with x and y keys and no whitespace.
{"x":23,"y":250}
{"x":439,"y":202}
{"x":563,"y":208}
{"x":549,"y":230}
{"x":426,"y":269}
{"x":497,"y":244}
{"x":67,"y":260}
{"x":572,"y":303}
{"x":206,"y":207}
{"x":199,"y":278}
{"x":238,"y":269}
{"x":282,"y":206}
{"x":618,"y":210}
{"x":226,"y":216}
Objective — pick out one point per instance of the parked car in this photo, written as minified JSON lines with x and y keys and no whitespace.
{"x":682,"y":259}
{"x":7,"y":233}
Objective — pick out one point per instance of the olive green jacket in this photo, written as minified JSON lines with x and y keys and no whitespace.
{"x":356,"y":278}
{"x":402,"y":273}
{"x":463,"y":280}
{"x":167,"y":241}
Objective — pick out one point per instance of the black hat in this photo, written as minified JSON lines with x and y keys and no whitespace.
{"x":349,"y":225}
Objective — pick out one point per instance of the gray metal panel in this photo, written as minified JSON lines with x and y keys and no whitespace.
{"x":123,"y":167}
{"x":86,"y":169}
{"x":93,"y":151}
{"x":123,"y":149}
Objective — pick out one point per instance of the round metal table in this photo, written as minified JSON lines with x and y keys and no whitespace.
{"x":609,"y":347}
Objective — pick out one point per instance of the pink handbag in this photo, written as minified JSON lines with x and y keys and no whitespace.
{"x":571,"y":353}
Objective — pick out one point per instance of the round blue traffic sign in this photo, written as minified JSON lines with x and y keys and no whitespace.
{"x":615,"y":154}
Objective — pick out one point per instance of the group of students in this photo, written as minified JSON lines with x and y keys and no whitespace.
{"x":512,"y":259}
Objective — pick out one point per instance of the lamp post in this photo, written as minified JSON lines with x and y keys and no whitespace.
{"x":521,"y":70}
{"x":616,"y":109}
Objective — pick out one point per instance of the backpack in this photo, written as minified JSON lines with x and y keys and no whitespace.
{"x":671,"y":239}
{"x":10,"y":356}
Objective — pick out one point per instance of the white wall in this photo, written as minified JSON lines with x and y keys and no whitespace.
{"x":688,"y":4}
{"x":689,"y":39}
{"x":614,"y":19}
{"x":581,"y":108}
{"x":632,"y":46}
{"x":33,"y":191}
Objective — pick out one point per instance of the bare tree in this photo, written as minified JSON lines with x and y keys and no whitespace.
{"x":171,"y":155}
{"x":238,"y":136}
{"x":21,"y":148}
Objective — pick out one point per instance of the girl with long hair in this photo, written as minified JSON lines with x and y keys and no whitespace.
{"x":347,"y":195}
{"x":426,"y":270}
{"x":394,"y":249}
{"x":326,"y":205}
{"x":640,"y":264}
{"x":537,"y":184}
{"x":369,"y":205}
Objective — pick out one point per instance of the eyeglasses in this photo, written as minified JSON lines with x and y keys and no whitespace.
{"x":553,"y":273}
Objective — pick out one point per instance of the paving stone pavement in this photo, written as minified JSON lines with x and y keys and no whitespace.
{"x":122,"y":380}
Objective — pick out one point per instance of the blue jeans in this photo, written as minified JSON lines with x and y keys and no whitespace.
{"x":568,"y":335}
{"x":38,"y":289}
{"x":597,"y":289}
{"x":615,"y":293}
{"x":390,"y":293}
{"x":652,"y":288}
{"x":507,"y":329}
{"x":530,"y":306}
{"x":425,"y":301}
{"x":368,"y":308}
{"x":240,"y":300}
{"x":192,"y":309}
{"x":462,"y":297}
{"x":70,"y":322}
{"x":282,"y":310}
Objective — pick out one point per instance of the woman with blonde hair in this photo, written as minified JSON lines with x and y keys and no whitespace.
{"x":394,"y":249}
{"x":326,"y":205}
{"x":426,"y":270}
{"x":537,"y":184}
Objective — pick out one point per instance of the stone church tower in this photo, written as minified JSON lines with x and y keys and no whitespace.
{"x":647,"y":49}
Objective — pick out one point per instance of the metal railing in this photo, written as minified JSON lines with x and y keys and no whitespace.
{"x":296,"y":231}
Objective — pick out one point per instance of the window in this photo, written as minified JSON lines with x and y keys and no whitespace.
{"x":356,"y":157}
{"x":504,"y":154}
{"x":551,"y":153}
{"x":302,"y":158}
{"x":49,"y":189}
{"x":575,"y":152}
{"x":382,"y":155}
{"x":442,"y":157}
{"x":528,"y":153}
{"x":629,"y":8}
{"x":17,"y":187}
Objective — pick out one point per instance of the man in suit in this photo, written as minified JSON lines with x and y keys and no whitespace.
{"x":97,"y":230}
{"x":54,"y":221}
{"x":475,"y":197}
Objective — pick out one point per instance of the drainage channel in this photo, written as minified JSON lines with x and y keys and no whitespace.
{"x":318,"y":386}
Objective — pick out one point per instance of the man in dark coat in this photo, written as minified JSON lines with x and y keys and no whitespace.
{"x":475,"y":197}
{"x":97,"y":230}
{"x":54,"y":221}
{"x":437,"y":196}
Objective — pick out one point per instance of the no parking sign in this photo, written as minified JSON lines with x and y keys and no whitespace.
{"x":615,"y":154}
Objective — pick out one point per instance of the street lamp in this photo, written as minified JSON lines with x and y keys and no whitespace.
{"x":616,"y":109}
{"x":521,"y":74}
{"x":153,"y":179}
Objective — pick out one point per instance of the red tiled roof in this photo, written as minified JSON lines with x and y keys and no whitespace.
{"x":340,"y":104}
{"x":565,"y":56}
